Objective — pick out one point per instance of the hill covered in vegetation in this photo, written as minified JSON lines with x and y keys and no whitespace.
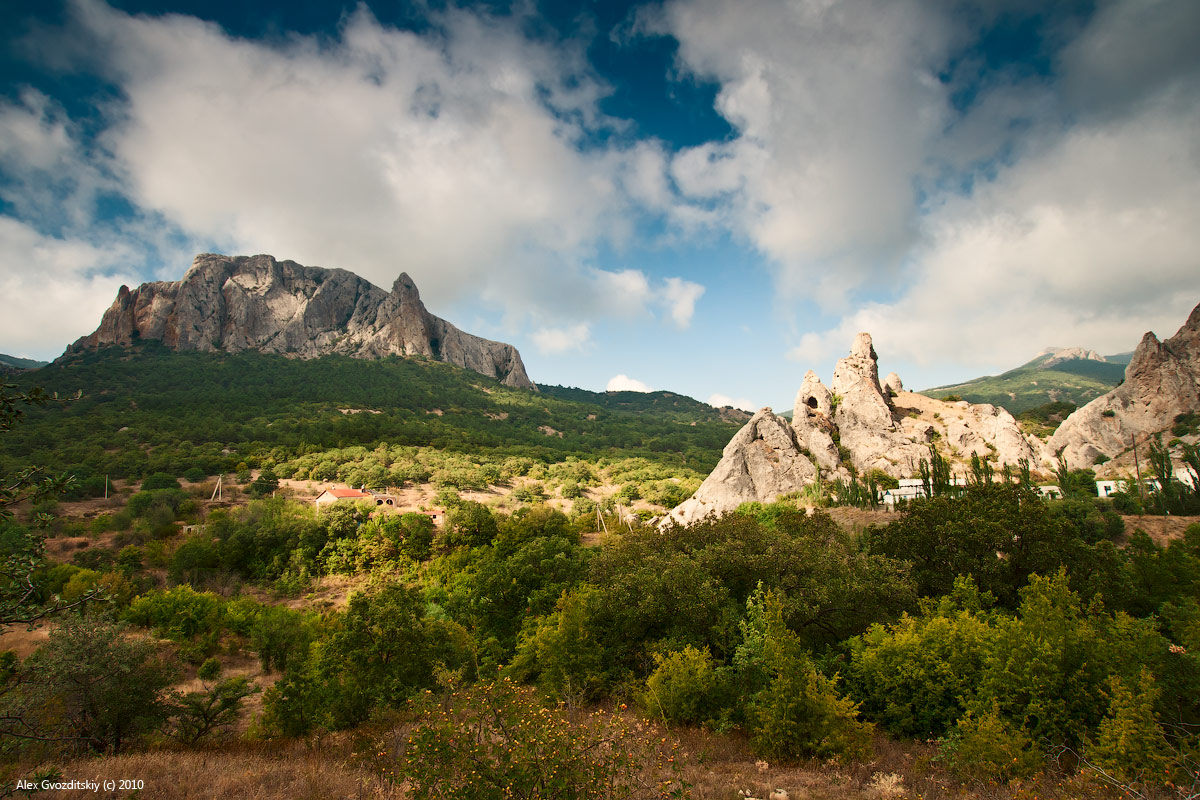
{"x":1043,"y":380}
{"x":149,"y":409}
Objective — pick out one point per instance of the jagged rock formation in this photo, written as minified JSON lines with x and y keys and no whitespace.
{"x":858,"y":425}
{"x":893,"y":434}
{"x":1059,"y":355}
{"x":1161,"y":382}
{"x":812,"y":419}
{"x":255,"y":302}
{"x":762,"y":461}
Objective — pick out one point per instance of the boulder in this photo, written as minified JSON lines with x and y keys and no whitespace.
{"x":762,"y":461}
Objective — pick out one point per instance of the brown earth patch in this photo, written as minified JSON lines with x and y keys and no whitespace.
{"x":1161,"y":529}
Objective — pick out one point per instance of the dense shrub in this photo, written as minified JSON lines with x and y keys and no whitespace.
{"x":916,"y":676}
{"x":378,"y":652}
{"x":686,"y":686}
{"x":1129,"y":743}
{"x":990,"y":747}
{"x":494,"y":740}
{"x":799,"y":713}
{"x":159,"y":480}
{"x":92,"y":686}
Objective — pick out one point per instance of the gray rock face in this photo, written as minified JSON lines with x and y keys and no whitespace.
{"x":766,"y":458}
{"x":1161,"y":382}
{"x":892,"y":384}
{"x":1060,"y":355}
{"x":812,"y":419}
{"x":762,"y":461}
{"x":258,"y":303}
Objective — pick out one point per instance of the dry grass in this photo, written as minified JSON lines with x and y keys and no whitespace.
{"x":1161,"y":529}
{"x":261,"y":771}
{"x":716,"y":766}
{"x":23,"y":641}
{"x":722,"y":767}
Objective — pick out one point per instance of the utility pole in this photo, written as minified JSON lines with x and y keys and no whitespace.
{"x":1138,"y":468}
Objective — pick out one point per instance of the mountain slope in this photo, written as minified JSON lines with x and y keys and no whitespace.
{"x":667,"y":405}
{"x":1045,"y":379}
{"x":11,"y":365}
{"x":257,"y":303}
{"x":149,"y":408}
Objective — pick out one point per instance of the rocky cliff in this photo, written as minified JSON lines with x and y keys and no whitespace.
{"x":857,"y":426}
{"x":762,"y":461}
{"x":258,"y":303}
{"x":1161,"y":382}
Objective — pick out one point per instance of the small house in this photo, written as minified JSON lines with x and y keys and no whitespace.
{"x":385,"y":501}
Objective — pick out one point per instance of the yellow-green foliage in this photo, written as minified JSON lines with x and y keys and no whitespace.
{"x":682,"y":687}
{"x":562,"y":653}
{"x":914,"y":676}
{"x":800,"y":712}
{"x":1129,"y":744}
{"x":495,"y":740}
{"x":989,"y":747}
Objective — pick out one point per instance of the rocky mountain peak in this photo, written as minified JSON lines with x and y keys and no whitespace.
{"x":405,"y":287}
{"x":1059,"y":355}
{"x":235,"y":303}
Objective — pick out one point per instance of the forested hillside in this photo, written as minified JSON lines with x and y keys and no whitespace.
{"x":984,"y":642}
{"x":127,"y":413}
{"x":1073,"y":381}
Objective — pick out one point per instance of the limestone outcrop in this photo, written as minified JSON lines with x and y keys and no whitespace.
{"x":257,"y":303}
{"x":1161,"y":382}
{"x":1059,"y":355}
{"x":812,"y":419}
{"x":855,"y":425}
{"x":893,"y":430}
{"x":762,"y":461}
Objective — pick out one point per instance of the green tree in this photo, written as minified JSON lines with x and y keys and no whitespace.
{"x":22,"y":549}
{"x":997,"y":533}
{"x":92,"y":684}
{"x":215,"y":708}
{"x":469,"y":524}
{"x":800,"y":713}
{"x":1129,"y":744}
{"x":379,"y":652}
{"x":265,"y":484}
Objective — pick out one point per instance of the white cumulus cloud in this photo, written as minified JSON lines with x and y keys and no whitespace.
{"x":553,"y":341}
{"x":624,"y":383}
{"x":721,"y":400}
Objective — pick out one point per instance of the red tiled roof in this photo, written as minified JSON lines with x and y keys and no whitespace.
{"x":348,"y":493}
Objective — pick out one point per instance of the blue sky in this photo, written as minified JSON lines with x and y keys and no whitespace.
{"x":706,"y":196}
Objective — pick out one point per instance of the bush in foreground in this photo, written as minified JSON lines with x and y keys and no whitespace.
{"x":495,"y":740}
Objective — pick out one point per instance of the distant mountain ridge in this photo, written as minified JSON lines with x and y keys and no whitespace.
{"x":1073,"y":375}
{"x":236,"y":303}
{"x":17,"y":364}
